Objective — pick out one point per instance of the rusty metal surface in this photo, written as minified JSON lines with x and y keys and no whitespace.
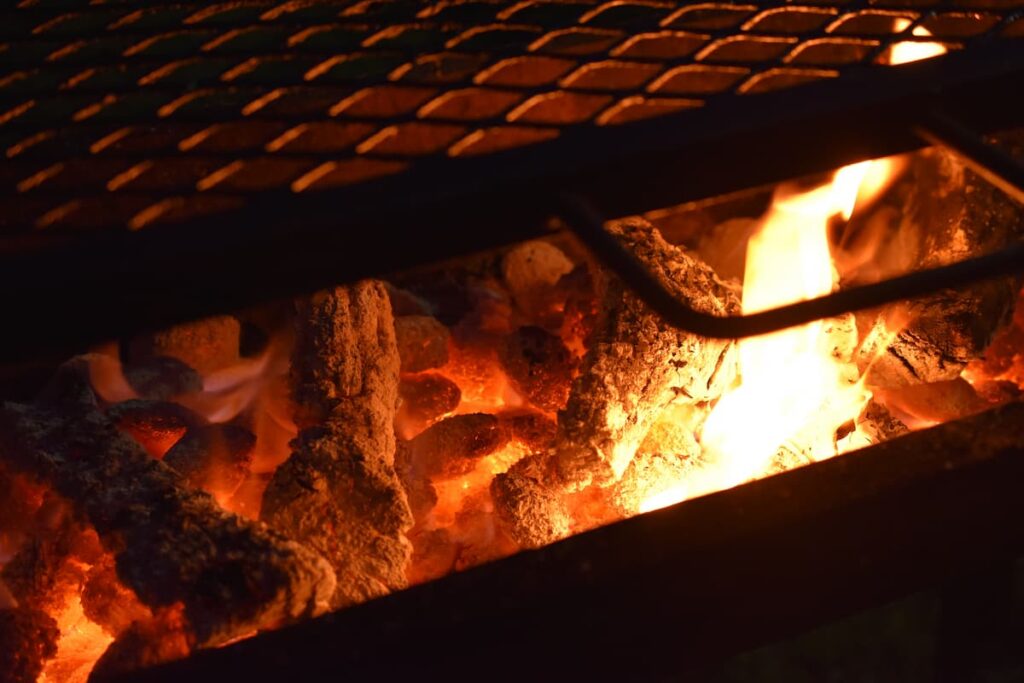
{"x":119,"y":115}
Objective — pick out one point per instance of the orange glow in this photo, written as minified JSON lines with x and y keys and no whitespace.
{"x":799,"y":385}
{"x":81,"y":643}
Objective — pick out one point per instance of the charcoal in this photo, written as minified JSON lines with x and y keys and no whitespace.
{"x":44,"y":571}
{"x":665,"y":458}
{"x":948,"y":331}
{"x":452,"y":447}
{"x":580,"y":310}
{"x":215,"y":458}
{"x":156,"y":425}
{"x":530,"y":511}
{"x":419,"y":490}
{"x":70,"y":385}
{"x":949,"y":214}
{"x":637,"y":363}
{"x":346,"y":502}
{"x":1002,"y":361}
{"x":635,"y":366}
{"x":204,"y":345}
{"x":426,"y":398}
{"x":404,"y":302}
{"x":28,"y":637}
{"x":171,"y":544}
{"x":422,"y":342}
{"x":345,"y":359}
{"x":434,"y":555}
{"x":539,"y":366}
{"x":935,"y":401}
{"x":530,"y":272}
{"x":534,"y":430}
{"x":162,"y":377}
{"x":338,"y":491}
{"x":878,"y":424}
{"x":107,"y":602}
{"x":147,"y":642}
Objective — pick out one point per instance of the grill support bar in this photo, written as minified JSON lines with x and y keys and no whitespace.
{"x":990,"y":162}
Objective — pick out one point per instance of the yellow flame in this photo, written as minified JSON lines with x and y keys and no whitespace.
{"x":799,"y":385}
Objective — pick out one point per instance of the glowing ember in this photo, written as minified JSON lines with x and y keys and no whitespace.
{"x":81,"y":644}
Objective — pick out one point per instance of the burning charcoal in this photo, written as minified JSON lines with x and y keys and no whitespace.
{"x":530,"y":272}
{"x":434,"y":555}
{"x":935,"y":401}
{"x":666,"y":456}
{"x":1003,"y":361}
{"x":539,"y":366}
{"x":342,"y":500}
{"x":28,"y":637}
{"x":171,"y":544}
{"x":204,"y":345}
{"x":162,"y":377}
{"x":404,"y":302}
{"x":526,"y":507}
{"x":637,"y":363}
{"x":161,"y":638}
{"x":215,"y":458}
{"x":70,"y":385}
{"x":537,"y":432}
{"x":156,"y":425}
{"x":419,"y":491}
{"x":476,"y":533}
{"x":949,"y":214}
{"x":422,"y":342}
{"x":44,"y":571}
{"x":107,"y":602}
{"x":345,"y":359}
{"x":946,"y":332}
{"x":425,"y":398}
{"x":338,"y":492}
{"x":453,"y":446}
{"x":878,"y":424}
{"x":580,"y":312}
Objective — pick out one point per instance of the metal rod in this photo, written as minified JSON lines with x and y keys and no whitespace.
{"x":988,"y":161}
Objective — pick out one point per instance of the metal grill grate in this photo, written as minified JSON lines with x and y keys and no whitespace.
{"x":130,"y":114}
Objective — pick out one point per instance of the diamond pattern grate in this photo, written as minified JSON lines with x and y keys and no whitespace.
{"x":125,"y":114}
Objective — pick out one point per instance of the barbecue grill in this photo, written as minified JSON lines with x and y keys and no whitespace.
{"x":166,"y":161}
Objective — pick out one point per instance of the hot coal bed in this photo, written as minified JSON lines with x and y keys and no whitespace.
{"x":436,"y":466}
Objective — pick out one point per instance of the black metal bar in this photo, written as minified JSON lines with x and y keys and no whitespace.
{"x":588,"y":226}
{"x":662,"y":594}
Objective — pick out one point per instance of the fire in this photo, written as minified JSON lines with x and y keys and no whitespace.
{"x":799,"y":386}
{"x":81,"y":643}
